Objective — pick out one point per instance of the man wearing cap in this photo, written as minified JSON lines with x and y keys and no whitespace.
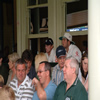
{"x":57,"y":73}
{"x":50,"y":52}
{"x":71,"y":49}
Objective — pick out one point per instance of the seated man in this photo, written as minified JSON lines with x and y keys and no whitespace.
{"x":50,"y":52}
{"x":45,"y":88}
{"x":57,"y":73}
{"x":22,"y":84}
{"x":71,"y":88}
{"x":28,"y":57}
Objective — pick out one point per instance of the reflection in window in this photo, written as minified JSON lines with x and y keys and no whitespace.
{"x":77,"y":16}
{"x":39,"y":20}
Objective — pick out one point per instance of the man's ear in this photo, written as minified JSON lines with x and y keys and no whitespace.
{"x":48,"y":73}
{"x":73,"y":70}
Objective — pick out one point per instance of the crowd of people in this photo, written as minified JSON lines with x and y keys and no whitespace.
{"x":67,"y":79}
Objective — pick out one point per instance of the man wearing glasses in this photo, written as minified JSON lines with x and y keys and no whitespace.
{"x":45,"y":89}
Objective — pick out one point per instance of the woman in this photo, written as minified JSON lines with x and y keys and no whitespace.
{"x":83,"y":71}
{"x":12,"y":59}
{"x":39,"y":58}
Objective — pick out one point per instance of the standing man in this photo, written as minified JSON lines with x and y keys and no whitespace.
{"x":50,"y":52}
{"x":71,"y":49}
{"x":28,"y":57}
{"x":71,"y":88}
{"x":57,"y":73}
{"x":22,"y":84}
{"x":45,"y":88}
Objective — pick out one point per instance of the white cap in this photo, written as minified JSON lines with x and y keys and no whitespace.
{"x":68,"y":36}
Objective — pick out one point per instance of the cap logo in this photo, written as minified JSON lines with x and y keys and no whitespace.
{"x":49,"y":40}
{"x":60,"y":50}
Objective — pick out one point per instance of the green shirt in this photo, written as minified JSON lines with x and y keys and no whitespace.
{"x":75,"y":92}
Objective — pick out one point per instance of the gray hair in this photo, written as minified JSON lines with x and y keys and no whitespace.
{"x":74,"y":64}
{"x":20,"y":61}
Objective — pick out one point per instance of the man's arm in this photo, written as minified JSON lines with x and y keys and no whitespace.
{"x":40,"y":91}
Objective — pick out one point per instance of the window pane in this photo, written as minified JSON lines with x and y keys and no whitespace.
{"x":42,"y":1}
{"x":81,"y":41}
{"x":39,"y":20}
{"x":77,"y":15}
{"x":37,"y":45}
{"x":31,"y":2}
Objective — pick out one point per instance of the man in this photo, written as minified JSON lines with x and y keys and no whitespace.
{"x":57,"y":73}
{"x":45,"y":88}
{"x":22,"y":84}
{"x":71,"y":88}
{"x":71,"y":49}
{"x":28,"y":57}
{"x":50,"y":52}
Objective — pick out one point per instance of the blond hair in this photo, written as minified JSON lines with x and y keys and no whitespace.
{"x":7,"y":93}
{"x":39,"y":58}
{"x":13,"y":57}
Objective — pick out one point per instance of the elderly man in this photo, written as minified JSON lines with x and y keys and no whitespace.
{"x":71,"y":49}
{"x":45,"y":88}
{"x":71,"y":88}
{"x":22,"y":84}
{"x":57,"y":73}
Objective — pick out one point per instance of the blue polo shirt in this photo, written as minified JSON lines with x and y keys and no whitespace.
{"x":50,"y":90}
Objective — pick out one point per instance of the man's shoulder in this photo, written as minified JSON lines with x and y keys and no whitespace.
{"x":51,"y":85}
{"x":72,"y":46}
{"x":28,"y":82}
{"x":56,"y":67}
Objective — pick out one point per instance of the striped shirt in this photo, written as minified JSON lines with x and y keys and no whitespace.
{"x":57,"y":75}
{"x":25,"y":91}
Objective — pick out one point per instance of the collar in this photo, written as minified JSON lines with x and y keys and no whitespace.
{"x":58,"y":68}
{"x":75,"y":82}
{"x":23,"y":83}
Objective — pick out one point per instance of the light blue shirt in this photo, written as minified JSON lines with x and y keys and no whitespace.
{"x":50,"y":90}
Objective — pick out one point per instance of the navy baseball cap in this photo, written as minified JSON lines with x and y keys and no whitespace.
{"x":60,"y":51}
{"x":49,"y":41}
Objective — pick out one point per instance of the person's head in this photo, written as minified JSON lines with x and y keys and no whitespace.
{"x":1,"y":81}
{"x":12,"y":59}
{"x":61,"y":56}
{"x":48,"y":45}
{"x":39,"y":58}
{"x":71,"y":69}
{"x":21,"y":67}
{"x":28,"y":57}
{"x":84,"y":64}
{"x":44,"y":72}
{"x":7,"y":93}
{"x":66,"y":40}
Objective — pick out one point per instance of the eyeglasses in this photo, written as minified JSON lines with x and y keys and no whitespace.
{"x":41,"y":71}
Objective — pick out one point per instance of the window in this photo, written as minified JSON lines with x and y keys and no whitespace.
{"x":38,"y":24}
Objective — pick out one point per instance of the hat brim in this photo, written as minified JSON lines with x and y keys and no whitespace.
{"x":72,"y":42}
{"x":60,"y":38}
{"x":53,"y":64}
